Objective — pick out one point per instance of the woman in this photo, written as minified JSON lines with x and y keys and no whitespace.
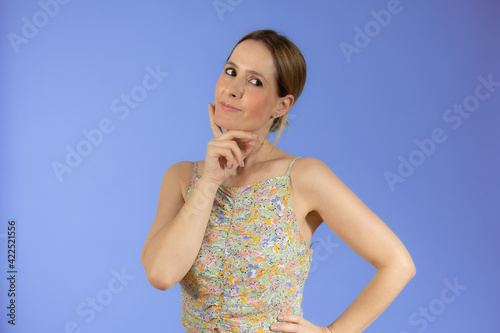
{"x":234,"y":229}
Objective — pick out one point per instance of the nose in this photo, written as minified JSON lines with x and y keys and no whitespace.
{"x":235,"y":88}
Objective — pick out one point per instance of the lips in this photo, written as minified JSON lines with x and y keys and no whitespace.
{"x":228,"y":107}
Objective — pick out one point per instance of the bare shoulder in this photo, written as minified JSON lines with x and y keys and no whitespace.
{"x":312,"y":178}
{"x":182,"y":172}
{"x":310,"y":170}
{"x":182,"y":168}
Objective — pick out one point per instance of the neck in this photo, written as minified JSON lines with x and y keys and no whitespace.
{"x":260,"y":152}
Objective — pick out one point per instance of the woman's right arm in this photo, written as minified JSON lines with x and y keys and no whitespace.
{"x":176,"y":235}
{"x":178,"y":229}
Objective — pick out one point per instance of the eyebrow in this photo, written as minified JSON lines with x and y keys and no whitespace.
{"x":250,"y":70}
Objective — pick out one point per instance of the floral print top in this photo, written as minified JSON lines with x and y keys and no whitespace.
{"x":252,"y":264}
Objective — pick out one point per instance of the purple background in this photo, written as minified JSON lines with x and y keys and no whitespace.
{"x":66,"y":67}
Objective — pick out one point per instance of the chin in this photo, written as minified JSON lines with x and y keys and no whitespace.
{"x":230,"y":128}
{"x":226,"y":125}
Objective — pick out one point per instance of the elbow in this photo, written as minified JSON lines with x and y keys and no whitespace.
{"x":158,"y":279}
{"x":412,"y":270}
{"x":159,"y":283}
{"x":407,"y":269}
{"x":157,"y":276}
{"x":406,"y":266}
{"x":402,"y":269}
{"x":409,"y":266}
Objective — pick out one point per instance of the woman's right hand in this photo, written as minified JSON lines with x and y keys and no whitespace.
{"x":226,"y":151}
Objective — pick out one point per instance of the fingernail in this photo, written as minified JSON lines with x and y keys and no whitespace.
{"x":243,"y":163}
{"x":254,"y":135}
{"x":273,"y":327}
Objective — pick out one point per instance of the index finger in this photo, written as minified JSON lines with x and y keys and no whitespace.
{"x":215,"y":128}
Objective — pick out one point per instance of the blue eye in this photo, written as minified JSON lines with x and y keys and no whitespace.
{"x":230,"y":71}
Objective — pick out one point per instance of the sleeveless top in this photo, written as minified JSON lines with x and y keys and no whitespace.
{"x":252,"y":264}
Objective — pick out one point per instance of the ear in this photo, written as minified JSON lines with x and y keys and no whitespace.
{"x":284,"y":104}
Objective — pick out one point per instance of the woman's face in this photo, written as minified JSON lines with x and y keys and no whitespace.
{"x":246,"y":93}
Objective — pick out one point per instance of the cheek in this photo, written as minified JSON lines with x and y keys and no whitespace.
{"x":221,"y":85}
{"x":259,"y":100}
{"x":218,"y":86}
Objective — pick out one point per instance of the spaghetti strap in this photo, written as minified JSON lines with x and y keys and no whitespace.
{"x":290,"y":166}
{"x":195,"y":168}
{"x":287,"y":172}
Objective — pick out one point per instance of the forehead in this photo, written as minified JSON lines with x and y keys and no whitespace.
{"x":254,"y":55}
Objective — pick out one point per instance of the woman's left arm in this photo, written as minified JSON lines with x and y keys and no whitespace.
{"x":366,"y":234}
